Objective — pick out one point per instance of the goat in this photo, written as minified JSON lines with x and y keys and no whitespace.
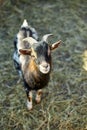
{"x":24,"y":31}
{"x":36,"y":64}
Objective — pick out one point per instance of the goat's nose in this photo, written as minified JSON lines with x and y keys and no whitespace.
{"x":45,"y":65}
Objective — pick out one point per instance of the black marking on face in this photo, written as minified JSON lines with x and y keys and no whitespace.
{"x":42,"y":50}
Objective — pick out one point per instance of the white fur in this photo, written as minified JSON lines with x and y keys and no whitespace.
{"x":29,"y":105}
{"x":22,"y":60}
{"x":44,"y":70}
{"x":20,"y":43}
{"x":25,"y":23}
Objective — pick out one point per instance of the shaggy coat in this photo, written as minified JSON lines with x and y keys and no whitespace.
{"x":32,"y":59}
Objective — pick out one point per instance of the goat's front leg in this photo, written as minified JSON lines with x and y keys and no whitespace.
{"x":29,"y":100}
{"x":38,"y":95}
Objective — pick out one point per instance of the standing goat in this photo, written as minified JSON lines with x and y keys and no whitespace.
{"x":36,"y":66}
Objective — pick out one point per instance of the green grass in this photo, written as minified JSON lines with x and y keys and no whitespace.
{"x":64,"y":102}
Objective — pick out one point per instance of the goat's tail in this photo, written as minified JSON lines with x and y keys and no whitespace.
{"x":27,"y":31}
{"x":25,"y":24}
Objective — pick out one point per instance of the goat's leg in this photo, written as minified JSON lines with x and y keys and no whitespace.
{"x":38,"y":95}
{"x":29,"y":100}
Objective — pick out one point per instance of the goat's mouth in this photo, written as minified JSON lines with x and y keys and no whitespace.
{"x":44,"y":69}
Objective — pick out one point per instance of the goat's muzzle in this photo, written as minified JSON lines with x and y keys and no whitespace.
{"x":44,"y":67}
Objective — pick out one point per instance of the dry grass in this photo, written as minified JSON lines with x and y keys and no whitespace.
{"x":64,"y":103}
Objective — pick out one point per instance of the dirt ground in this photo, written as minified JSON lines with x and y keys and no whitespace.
{"x":64,"y":102}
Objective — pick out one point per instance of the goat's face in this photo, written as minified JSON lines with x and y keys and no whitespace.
{"x":40,"y":53}
{"x":42,"y":56}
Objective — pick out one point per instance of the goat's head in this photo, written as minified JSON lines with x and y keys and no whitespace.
{"x":40,"y":52}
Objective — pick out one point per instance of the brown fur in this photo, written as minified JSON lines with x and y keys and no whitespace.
{"x":33,"y":68}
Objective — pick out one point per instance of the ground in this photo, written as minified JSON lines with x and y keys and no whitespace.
{"x":64,"y":101}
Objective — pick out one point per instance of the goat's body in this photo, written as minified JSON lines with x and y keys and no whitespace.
{"x":33,"y":59}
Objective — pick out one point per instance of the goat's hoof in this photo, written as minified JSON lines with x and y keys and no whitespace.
{"x":29,"y":105}
{"x":38,"y":100}
{"x":29,"y":109}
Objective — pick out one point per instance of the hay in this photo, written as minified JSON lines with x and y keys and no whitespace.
{"x":64,"y":103}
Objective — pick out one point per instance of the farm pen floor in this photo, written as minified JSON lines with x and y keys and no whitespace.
{"x":64,"y":102}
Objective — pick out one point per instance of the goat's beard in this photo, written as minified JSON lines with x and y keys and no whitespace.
{"x":44,"y":70}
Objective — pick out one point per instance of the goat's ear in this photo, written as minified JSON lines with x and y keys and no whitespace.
{"x":25,"y":51}
{"x":55,"y":45}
